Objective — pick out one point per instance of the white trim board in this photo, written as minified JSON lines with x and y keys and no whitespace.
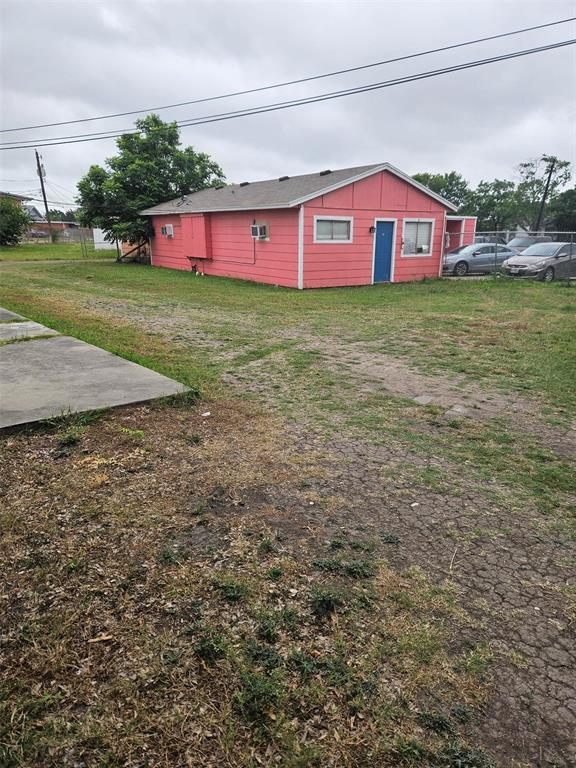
{"x":393,"y":255}
{"x":301,"y":248}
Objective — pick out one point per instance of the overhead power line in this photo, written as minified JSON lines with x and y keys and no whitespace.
{"x":79,"y":138}
{"x":294,"y":82}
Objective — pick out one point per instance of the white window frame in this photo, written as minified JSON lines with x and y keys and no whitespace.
{"x":334,"y":218}
{"x":167,"y":230}
{"x":418,"y":255}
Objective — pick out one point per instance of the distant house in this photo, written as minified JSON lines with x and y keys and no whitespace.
{"x":354,"y":226}
{"x":17,"y":198}
{"x":34,"y":214}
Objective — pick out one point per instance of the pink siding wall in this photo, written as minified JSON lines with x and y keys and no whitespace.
{"x":383,"y":196}
{"x":459,"y":232}
{"x":168,"y":251}
{"x":469,"y":230}
{"x":221,"y":244}
{"x":453,"y":235}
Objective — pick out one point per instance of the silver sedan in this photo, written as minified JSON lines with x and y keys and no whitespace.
{"x":479,"y":258}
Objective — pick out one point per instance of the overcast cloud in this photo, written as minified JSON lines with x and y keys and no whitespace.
{"x":68,"y":60}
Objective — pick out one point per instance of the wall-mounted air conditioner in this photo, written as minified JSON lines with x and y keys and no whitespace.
{"x":259,"y":231}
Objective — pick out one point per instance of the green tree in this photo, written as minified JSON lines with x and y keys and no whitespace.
{"x":452,"y":185}
{"x":57,"y":215}
{"x":562,"y":211}
{"x":150,"y":167}
{"x":14,"y":222}
{"x":530,"y":190}
{"x":495,"y":204}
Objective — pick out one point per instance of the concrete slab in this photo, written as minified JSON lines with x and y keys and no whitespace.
{"x":45,"y":378}
{"x":5,"y":314}
{"x":24,"y":330}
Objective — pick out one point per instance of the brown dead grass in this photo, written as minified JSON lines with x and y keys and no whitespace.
{"x":160,"y":536}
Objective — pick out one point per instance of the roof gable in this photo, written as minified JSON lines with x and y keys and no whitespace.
{"x":286,"y":192}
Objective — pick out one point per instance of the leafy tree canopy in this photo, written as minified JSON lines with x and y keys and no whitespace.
{"x":495,"y":205}
{"x":504,"y":204}
{"x":533,"y":178}
{"x":150,"y":167}
{"x":14,"y":221}
{"x":453,"y":186}
{"x":57,"y":215}
{"x":563,"y":211}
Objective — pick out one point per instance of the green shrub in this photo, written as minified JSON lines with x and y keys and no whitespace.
{"x":14,"y":222}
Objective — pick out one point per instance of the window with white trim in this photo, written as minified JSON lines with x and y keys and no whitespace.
{"x":333,"y":230}
{"x":417,"y":237}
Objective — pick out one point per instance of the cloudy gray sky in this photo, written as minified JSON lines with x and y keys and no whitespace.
{"x":75,"y":59}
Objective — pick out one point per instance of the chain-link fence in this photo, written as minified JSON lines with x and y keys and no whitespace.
{"x":40,"y":235}
{"x":523,"y":239}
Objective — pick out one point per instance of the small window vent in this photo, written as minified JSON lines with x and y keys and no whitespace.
{"x":167,"y":230}
{"x":325,"y":173}
{"x":283,"y":178}
{"x":244,"y":183}
{"x":259,"y":231}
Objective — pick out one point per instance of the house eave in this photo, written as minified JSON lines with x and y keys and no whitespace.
{"x":149,"y":212}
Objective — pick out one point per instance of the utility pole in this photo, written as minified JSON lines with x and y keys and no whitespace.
{"x":544,"y":196}
{"x":41,"y":172}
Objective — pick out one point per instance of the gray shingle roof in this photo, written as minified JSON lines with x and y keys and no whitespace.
{"x":274,"y":193}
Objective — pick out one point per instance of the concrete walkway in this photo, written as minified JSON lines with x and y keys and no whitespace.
{"x":44,"y":375}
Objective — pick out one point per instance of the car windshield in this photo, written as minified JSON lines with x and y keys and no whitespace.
{"x":520,"y":242}
{"x":458,"y":250}
{"x":541,"y":249}
{"x":467,"y":248}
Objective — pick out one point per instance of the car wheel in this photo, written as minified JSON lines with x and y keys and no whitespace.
{"x":461,"y":269}
{"x":548,"y":275}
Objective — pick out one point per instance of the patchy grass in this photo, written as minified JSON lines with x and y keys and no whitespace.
{"x":519,"y":335}
{"x":201,"y":612}
{"x":150,"y":648}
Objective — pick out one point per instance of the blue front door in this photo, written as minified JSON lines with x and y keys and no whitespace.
{"x":383,"y":251}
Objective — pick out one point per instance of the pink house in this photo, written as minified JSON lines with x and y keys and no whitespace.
{"x":355,"y":226}
{"x":460,"y":230}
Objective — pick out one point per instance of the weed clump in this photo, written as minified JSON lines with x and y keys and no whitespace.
{"x":263,"y":656}
{"x":211,"y":646}
{"x":354,"y":569}
{"x":231,"y":589}
{"x":325,"y":601}
{"x":435,"y":721}
{"x":258,"y":697}
{"x":71,"y":436}
{"x":460,"y":756}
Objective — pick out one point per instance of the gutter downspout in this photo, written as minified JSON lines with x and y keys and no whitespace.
{"x":301,"y":247}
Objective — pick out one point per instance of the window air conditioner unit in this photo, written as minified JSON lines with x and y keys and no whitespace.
{"x":168,"y":230}
{"x":259,"y":231}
